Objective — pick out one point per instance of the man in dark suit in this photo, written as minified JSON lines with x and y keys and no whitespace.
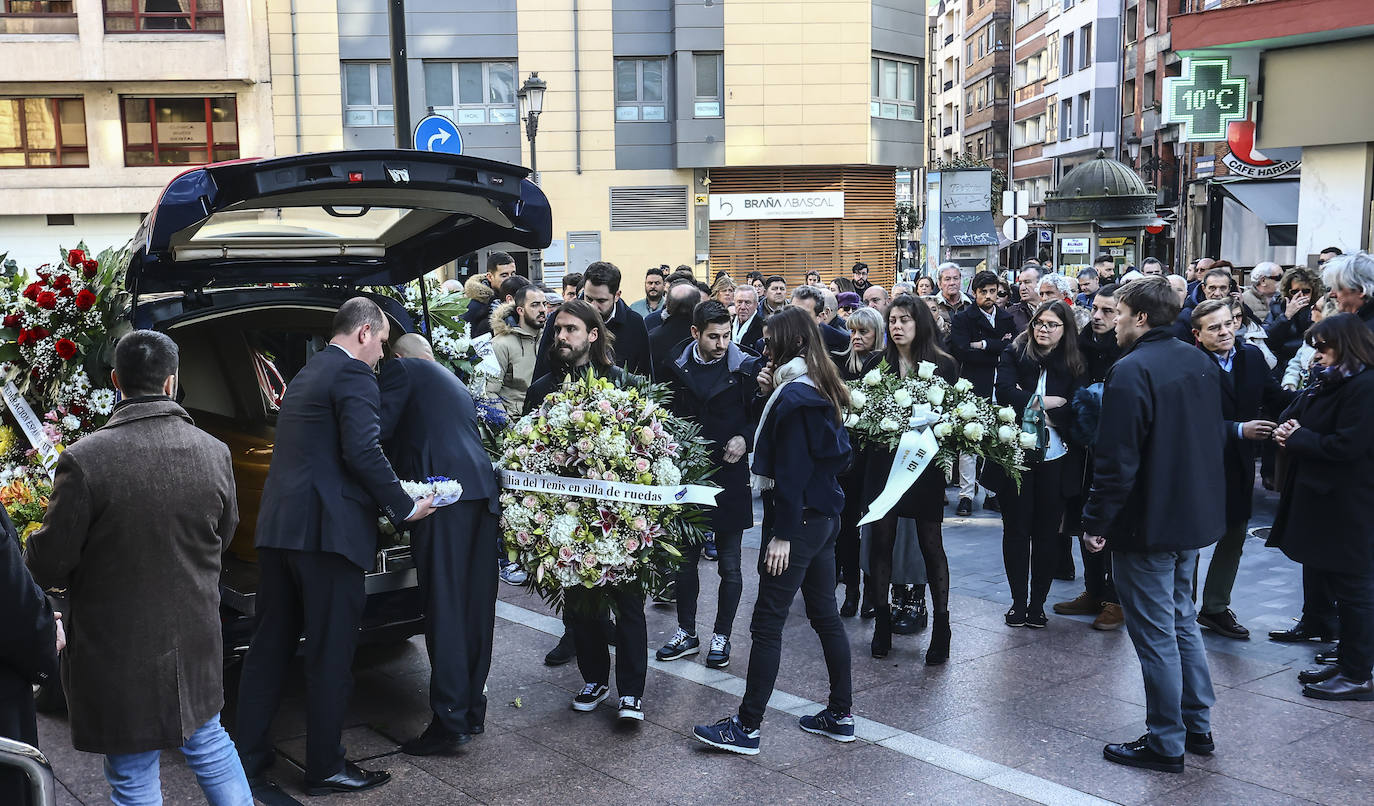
{"x":429,"y":428}
{"x":29,"y":641}
{"x":1248,"y":390}
{"x":601,"y":287}
{"x":978,"y":334}
{"x":746,"y":328}
{"x":812,"y":301}
{"x":677,"y":327}
{"x":316,"y":539}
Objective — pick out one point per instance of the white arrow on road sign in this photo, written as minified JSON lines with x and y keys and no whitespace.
{"x":442,"y":137}
{"x":438,"y":133}
{"x":1015,"y":228}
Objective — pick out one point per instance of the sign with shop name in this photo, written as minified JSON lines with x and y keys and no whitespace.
{"x":1073,"y":246}
{"x":755,"y":206}
{"x":1111,"y":241}
{"x":1205,"y":99}
{"x":181,"y":133}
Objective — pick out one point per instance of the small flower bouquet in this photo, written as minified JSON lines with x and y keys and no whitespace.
{"x":445,"y":490}
{"x":881,"y":405}
{"x":625,"y":439}
{"x":25,"y":498}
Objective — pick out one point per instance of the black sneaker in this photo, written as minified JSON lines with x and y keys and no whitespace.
{"x":1224,"y":623}
{"x":839,"y":727}
{"x":965,"y":508}
{"x":729,"y":734}
{"x":1036,"y":618}
{"x":563,"y":653}
{"x":719,"y":656}
{"x":680,"y":645}
{"x":1139,"y":754}
{"x":591,"y":696}
{"x":1016,"y":616}
{"x":631,"y":709}
{"x":1199,"y":744}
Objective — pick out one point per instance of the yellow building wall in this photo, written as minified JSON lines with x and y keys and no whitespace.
{"x":797,"y":80}
{"x":581,"y":202}
{"x":319,"y":126}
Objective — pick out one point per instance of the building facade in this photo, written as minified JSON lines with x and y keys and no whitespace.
{"x":946,"y":42}
{"x":102,"y":103}
{"x":987,"y":80}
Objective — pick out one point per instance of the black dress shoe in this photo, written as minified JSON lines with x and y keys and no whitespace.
{"x":562,"y":653}
{"x":1302,"y":631}
{"x":1341,"y":687}
{"x":1326,"y":658}
{"x":351,"y":778}
{"x":866,"y":611}
{"x":851,"y":601}
{"x":1139,"y":754}
{"x":435,"y":741}
{"x":965,"y":508}
{"x":1225,"y":624}
{"x":990,"y":504}
{"x":1199,"y":744}
{"x":1320,"y":675}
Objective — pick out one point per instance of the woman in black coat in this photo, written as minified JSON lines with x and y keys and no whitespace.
{"x":912,"y":338}
{"x":28,"y":653}
{"x":1323,"y":519}
{"x":867,"y":338}
{"x":1041,"y":370}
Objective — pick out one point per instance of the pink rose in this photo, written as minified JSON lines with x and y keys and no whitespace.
{"x":523,"y":538}
{"x":590,"y":560}
{"x":593,"y":475}
{"x":611,"y":476}
{"x":632,"y":544}
{"x":565,"y":554}
{"x":584,"y":445}
{"x":541,"y":518}
{"x":560,"y":458}
{"x":577,"y":416}
{"x":640,"y":525}
{"x":641,"y":465}
{"x":529,"y":502}
{"x":605,"y":406}
{"x":570,"y":507}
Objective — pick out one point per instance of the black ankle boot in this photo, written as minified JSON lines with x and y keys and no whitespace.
{"x":919,"y":612}
{"x":882,"y":632}
{"x":938,"y":651}
{"x":851,"y":601}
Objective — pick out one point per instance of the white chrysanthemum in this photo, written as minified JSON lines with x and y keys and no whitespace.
{"x":71,"y":422}
{"x":666,"y":473}
{"x":561,"y":530}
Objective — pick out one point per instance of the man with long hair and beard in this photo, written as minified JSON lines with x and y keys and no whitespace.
{"x":800,"y":449}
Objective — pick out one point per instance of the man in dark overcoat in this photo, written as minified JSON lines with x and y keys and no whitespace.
{"x":316,"y":540}
{"x":978,"y":334}
{"x":714,"y":386}
{"x":429,"y":429}
{"x":140,"y":514}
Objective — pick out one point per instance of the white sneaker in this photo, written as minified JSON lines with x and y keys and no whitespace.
{"x":512,"y":574}
{"x":631,"y":708}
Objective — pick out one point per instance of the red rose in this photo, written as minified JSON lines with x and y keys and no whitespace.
{"x":12,"y":320}
{"x":88,"y":268}
{"x":66,"y":292}
{"x":84,"y":300}
{"x":32,"y":290}
{"x":24,"y":337}
{"x":46,"y":299}
{"x":61,"y":281}
{"x":77,"y":409}
{"x":76,"y":257}
{"x":38,"y":334}
{"x":33,"y":373}
{"x":66,"y":349}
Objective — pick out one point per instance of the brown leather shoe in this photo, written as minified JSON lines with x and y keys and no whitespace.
{"x":1084,"y":604}
{"x":1110,"y":618}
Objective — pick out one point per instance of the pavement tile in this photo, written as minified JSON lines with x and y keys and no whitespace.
{"x":1080,"y":765}
{"x":1067,"y":707}
{"x":999,"y":735}
{"x":877,"y":775}
{"x":489,"y":764}
{"x":690,"y":773}
{"x":1329,"y":765}
{"x":573,"y":785}
{"x":1285,"y":686}
{"x":361,"y":743}
{"x":1219,"y":790}
{"x":409,"y":785}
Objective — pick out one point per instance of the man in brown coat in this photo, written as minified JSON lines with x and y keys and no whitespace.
{"x":140,"y":513}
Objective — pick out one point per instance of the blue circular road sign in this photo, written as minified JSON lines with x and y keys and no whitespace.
{"x":438,"y":133}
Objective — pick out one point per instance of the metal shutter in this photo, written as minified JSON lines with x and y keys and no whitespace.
{"x":644,"y":208}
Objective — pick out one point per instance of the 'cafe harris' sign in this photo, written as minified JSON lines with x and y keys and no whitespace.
{"x":1205,"y":99}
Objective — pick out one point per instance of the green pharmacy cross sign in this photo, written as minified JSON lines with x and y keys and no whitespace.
{"x":1205,"y":99}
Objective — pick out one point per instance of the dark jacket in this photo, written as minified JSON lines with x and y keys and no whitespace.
{"x":28,"y":638}
{"x":654,"y":320}
{"x":871,"y":361}
{"x":1284,"y":336}
{"x":804,"y":450}
{"x":749,"y":339}
{"x":728,"y":409}
{"x":1099,"y":352}
{"x":1183,"y":326}
{"x":1366,"y":314}
{"x":1157,"y":470}
{"x":631,"y":342}
{"x":140,"y":514}
{"x":481,"y":300}
{"x":546,"y":384}
{"x":836,"y":340}
{"x":1323,"y":515}
{"x":429,"y":428}
{"x":1021,"y":313}
{"x":980,"y":365}
{"x":664,"y":343}
{"x":328,"y":475}
{"x":1018,"y":376}
{"x":1248,"y":392}
{"x":923,"y":500}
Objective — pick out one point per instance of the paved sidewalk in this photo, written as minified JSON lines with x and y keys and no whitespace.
{"x":1017,"y":716}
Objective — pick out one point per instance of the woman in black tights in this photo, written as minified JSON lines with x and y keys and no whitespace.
{"x":912,"y":337}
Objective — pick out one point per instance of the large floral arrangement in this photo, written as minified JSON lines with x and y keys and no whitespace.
{"x":594,"y":429}
{"x":881,"y":404}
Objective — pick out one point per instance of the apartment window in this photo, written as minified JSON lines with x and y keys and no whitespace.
{"x":163,"y":15}
{"x":710,"y":85}
{"x":1128,"y":97}
{"x":1068,"y":4}
{"x":1051,"y":120}
{"x":43,"y":133}
{"x":971,"y":57}
{"x":641,"y":85}
{"x":468,"y":93}
{"x":1148,"y":91}
{"x":1151,"y":15}
{"x":1085,"y":113}
{"x":179,"y":131}
{"x":1132,"y":26}
{"x":35,"y":7}
{"x":1085,"y":36}
{"x":1066,"y":48}
{"x":1066,"y":119}
{"x":894,"y":90}
{"x":367,"y":94}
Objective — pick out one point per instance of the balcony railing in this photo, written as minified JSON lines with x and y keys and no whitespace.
{"x":949,"y":85}
{"x":949,"y":39}
{"x":947,"y":131}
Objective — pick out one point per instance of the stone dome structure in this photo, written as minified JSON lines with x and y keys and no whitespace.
{"x":1101,"y":191}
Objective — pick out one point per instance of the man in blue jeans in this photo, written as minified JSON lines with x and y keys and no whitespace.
{"x":1157,"y":497}
{"x":140,"y":513}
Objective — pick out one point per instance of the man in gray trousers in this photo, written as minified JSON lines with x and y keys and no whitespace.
{"x":1157,"y":497}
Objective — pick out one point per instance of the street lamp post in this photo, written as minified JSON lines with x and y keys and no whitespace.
{"x":531,"y":97}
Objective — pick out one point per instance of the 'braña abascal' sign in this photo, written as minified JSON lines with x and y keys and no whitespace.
{"x":755,"y":206}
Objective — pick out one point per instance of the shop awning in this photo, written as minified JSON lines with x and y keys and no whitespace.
{"x":967,"y":229}
{"x":1274,"y":203}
